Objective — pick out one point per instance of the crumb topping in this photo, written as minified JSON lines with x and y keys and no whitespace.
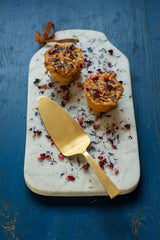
{"x":65,"y":58}
{"x":103,"y":88}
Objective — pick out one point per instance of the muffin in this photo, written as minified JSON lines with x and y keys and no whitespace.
{"x":64,"y":62}
{"x":102,"y":91}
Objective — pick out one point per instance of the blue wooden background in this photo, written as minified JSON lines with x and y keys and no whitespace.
{"x":134,"y":28}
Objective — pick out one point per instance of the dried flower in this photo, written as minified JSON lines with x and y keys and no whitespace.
{"x":116,"y":171}
{"x":70,"y":178}
{"x":60,"y":156}
{"x":110,"y":52}
{"x":94,"y":77}
{"x":80,"y":120}
{"x":127,"y":126}
{"x":95,"y":126}
{"x":85,"y":167}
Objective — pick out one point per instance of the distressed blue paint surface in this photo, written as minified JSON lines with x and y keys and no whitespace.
{"x":133,"y":27}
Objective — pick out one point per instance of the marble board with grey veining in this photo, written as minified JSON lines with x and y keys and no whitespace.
{"x":113,"y":135}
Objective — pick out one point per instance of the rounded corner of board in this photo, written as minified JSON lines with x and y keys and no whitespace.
{"x":29,"y":185}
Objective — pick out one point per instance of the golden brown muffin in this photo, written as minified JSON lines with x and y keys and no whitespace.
{"x":102,"y":91}
{"x":64,"y":62}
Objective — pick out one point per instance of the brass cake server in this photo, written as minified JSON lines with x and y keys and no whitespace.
{"x":70,"y":138}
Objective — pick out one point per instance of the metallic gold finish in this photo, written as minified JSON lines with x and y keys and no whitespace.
{"x":70,"y":138}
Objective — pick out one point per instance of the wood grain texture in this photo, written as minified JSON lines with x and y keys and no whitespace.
{"x":133,"y":27}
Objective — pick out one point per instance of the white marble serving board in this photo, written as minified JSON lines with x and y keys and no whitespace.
{"x":48,"y":177}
